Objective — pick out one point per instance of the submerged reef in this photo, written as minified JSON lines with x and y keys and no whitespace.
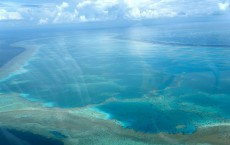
{"x":89,"y":127}
{"x":146,"y":117}
{"x":100,"y":88}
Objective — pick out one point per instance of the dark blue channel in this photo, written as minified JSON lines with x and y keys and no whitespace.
{"x":15,"y":137}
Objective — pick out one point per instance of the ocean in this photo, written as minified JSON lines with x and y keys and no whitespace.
{"x":152,"y":79}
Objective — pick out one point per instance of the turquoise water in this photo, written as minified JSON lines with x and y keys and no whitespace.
{"x":177,"y":73}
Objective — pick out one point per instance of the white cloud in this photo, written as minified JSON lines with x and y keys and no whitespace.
{"x":83,"y":3}
{"x":83,"y":19}
{"x":63,"y":15}
{"x":43,"y":21}
{"x":223,"y":6}
{"x":150,"y":9}
{"x":62,"y":6}
{"x":70,"y":11}
{"x":9,"y":15}
{"x":97,"y":9}
{"x":145,"y":9}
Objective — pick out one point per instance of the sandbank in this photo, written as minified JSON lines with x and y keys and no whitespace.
{"x":15,"y":64}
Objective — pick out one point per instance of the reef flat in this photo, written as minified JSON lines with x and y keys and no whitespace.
{"x":89,"y":127}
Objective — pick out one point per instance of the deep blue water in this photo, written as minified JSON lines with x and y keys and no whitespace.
{"x":58,"y":134}
{"x":14,"y":137}
{"x":146,"y":117}
{"x":7,"y":52}
{"x":181,"y":70}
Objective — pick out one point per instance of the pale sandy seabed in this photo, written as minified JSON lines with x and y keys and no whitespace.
{"x":87,"y":126}
{"x":15,"y":64}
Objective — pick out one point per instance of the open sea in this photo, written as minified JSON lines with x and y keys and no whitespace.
{"x":163,"y":78}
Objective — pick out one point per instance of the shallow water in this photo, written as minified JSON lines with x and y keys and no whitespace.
{"x":188,"y":66}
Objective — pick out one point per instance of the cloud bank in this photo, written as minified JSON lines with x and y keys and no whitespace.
{"x":223,"y":6}
{"x":72,"y":11}
{"x":8,"y":15}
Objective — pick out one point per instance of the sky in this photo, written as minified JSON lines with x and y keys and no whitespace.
{"x":43,"y":12}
